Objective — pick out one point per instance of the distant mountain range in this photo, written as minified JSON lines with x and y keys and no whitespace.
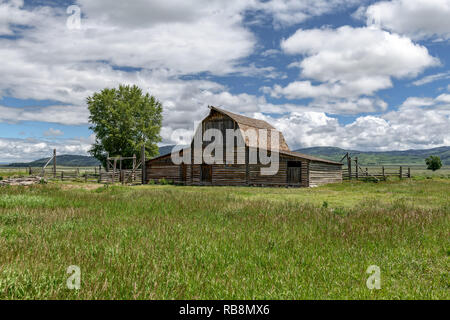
{"x":331,"y":153}
{"x":412,"y":156}
{"x":66,"y":160}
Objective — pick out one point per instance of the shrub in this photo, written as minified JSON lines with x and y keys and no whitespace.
{"x":433,"y":163}
{"x":163,"y":181}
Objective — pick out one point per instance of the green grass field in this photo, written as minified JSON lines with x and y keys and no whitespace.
{"x":167,"y":242}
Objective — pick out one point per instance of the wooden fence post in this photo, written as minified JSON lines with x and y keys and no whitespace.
{"x":382,"y":171}
{"x":99,"y":173}
{"x":401,"y":173}
{"x":409,"y":172}
{"x":349,"y":164}
{"x":356,"y":165}
{"x":114,"y":170}
{"x":29,"y":171}
{"x":367,"y":172}
{"x":62,"y":175}
{"x":120,"y":170}
{"x":144,"y":169}
{"x":54,"y":163}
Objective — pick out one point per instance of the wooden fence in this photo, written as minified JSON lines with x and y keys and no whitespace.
{"x":68,"y":174}
{"x":114,"y":172}
{"x":376,"y":173}
{"x":96,"y":174}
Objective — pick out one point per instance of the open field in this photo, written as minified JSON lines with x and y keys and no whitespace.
{"x":167,"y":242}
{"x":6,"y":172}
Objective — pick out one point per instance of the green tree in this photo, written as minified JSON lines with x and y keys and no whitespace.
{"x":433,"y":163}
{"x":123,"y":119}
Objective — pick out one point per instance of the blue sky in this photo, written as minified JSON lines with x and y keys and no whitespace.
{"x":368,"y":75}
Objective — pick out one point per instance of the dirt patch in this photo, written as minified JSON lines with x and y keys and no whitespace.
{"x":27,"y":181}
{"x":87,"y":186}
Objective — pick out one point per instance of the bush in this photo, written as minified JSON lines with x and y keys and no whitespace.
{"x":163,"y":181}
{"x":433,"y":163}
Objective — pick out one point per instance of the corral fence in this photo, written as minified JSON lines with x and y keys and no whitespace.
{"x":354,"y":171}
{"x":91,"y":174}
{"x":113,"y":173}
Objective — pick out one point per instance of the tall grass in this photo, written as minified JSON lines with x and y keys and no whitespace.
{"x":166,"y":242}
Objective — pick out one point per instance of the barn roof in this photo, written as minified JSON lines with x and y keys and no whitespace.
{"x":247,"y":124}
{"x":308,"y":157}
{"x":256,"y":123}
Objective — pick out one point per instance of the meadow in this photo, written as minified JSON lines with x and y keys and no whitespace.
{"x":174,"y":242}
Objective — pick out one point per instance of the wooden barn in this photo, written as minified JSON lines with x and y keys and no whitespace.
{"x":241,"y":167}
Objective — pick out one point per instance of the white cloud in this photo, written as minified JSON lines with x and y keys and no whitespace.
{"x":353,"y":54}
{"x":289,"y":12}
{"x":418,"y":19}
{"x":411,"y":126}
{"x":349,"y":66}
{"x":53,"y":133}
{"x":443,"y":98}
{"x":417,"y":102}
{"x":68,"y":115}
{"x":11,"y":16}
{"x":23,"y":150}
{"x":432,"y":78}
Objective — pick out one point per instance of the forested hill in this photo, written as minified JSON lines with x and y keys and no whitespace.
{"x":66,"y":160}
{"x":412,"y":156}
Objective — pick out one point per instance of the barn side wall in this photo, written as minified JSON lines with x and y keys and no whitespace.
{"x":163,"y":168}
{"x":321,"y":173}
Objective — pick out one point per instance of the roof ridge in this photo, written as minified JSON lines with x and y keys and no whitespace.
{"x":244,"y":119}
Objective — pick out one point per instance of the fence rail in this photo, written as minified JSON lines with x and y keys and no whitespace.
{"x":95,"y":174}
{"x":376,"y":174}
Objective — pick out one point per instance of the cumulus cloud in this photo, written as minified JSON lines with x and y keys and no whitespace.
{"x":289,"y":12}
{"x":432,"y":78}
{"x":413,"y":125}
{"x":347,"y":55}
{"x":23,"y":150}
{"x":53,"y":133}
{"x":68,"y":115}
{"x":418,"y":19}
{"x":349,"y":65}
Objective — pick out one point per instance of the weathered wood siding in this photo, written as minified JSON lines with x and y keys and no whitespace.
{"x":163,"y":168}
{"x":228,"y":174}
{"x":322,"y":173}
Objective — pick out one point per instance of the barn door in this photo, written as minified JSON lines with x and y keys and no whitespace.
{"x":294,"y":172}
{"x":206,"y":173}
{"x":183,"y":172}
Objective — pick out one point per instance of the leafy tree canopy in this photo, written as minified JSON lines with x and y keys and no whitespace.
{"x":433,"y":163}
{"x":123,"y":119}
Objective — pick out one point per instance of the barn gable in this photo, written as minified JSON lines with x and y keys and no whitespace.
{"x":246,"y":124}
